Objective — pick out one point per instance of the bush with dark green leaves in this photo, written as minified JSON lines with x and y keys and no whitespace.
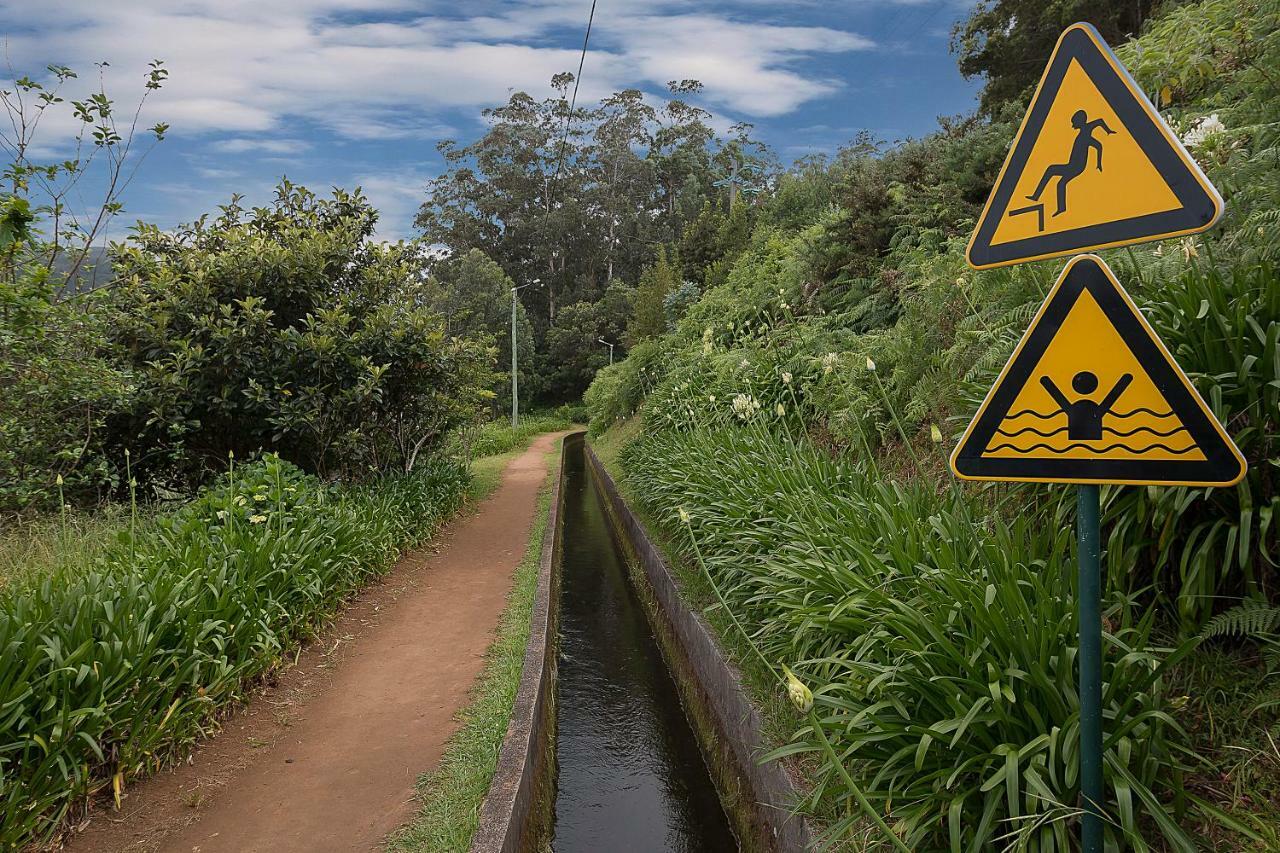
{"x":60,"y":383}
{"x":287,"y":329}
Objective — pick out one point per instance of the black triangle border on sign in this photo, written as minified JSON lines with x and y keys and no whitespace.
{"x":1200,"y":203}
{"x":1222,"y":465}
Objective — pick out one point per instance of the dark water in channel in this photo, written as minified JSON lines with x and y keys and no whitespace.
{"x":631,"y":776}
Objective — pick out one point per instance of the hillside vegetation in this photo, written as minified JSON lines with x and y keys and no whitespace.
{"x":797,"y":418}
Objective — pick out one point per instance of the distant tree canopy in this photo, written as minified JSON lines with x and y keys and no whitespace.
{"x":1008,"y":42}
{"x":578,"y":201}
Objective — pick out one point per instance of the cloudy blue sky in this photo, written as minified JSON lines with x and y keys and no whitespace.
{"x":346,"y":92}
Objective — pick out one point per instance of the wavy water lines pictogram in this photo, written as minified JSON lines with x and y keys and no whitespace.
{"x":1140,"y":432}
{"x":1075,"y":445}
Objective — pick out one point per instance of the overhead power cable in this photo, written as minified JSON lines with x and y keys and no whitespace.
{"x":573,"y":102}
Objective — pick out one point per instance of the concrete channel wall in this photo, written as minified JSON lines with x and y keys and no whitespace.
{"x":519,"y":800}
{"x":516,"y":811}
{"x":726,"y":721}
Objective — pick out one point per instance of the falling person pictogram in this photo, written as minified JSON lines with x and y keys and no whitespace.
{"x":1078,"y":160}
{"x":1084,"y":417}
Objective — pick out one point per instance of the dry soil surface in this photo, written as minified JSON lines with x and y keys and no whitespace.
{"x":326,"y":758}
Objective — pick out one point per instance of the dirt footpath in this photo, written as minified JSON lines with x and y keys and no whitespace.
{"x":327,"y":758}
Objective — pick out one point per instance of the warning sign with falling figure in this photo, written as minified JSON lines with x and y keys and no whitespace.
{"x":1093,"y":165}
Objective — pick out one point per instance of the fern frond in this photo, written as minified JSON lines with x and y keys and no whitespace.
{"x":1252,"y":619}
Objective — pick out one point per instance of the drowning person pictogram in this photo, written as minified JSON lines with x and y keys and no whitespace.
{"x":1084,"y":417}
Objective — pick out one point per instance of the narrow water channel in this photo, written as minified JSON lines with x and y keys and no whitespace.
{"x":630,"y":774}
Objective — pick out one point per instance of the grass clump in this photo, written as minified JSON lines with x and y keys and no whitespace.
{"x":109,"y":669}
{"x":452,"y":794}
{"x":33,"y":546}
{"x":495,"y":437}
{"x":938,"y":635}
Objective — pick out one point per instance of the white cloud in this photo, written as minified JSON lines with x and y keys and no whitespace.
{"x":397,"y":196}
{"x":264,"y":82}
{"x":384,"y":68}
{"x":273,"y":146}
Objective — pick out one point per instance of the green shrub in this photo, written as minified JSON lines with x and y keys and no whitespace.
{"x":574,"y":413}
{"x":618,"y":390}
{"x":940,"y":640}
{"x":284,"y":328}
{"x":61,"y":385}
{"x":602,"y":398}
{"x":107,"y":672}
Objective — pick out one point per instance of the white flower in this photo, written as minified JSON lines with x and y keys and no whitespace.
{"x":711,"y":398}
{"x":222,"y":514}
{"x":1188,"y":246}
{"x":786,"y":378}
{"x":784,"y":306}
{"x":684,"y":515}
{"x":935,"y":433}
{"x":871,"y":365}
{"x":828,"y":363}
{"x":745,"y":364}
{"x":744,"y":406}
{"x":780,"y":409}
{"x":1202,"y":130}
{"x":259,"y":498}
{"x":257,"y":519}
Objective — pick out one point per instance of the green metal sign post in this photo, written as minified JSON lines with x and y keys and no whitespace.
{"x":1089,"y":605}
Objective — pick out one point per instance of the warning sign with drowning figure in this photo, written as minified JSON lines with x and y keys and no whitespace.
{"x":1091,"y":395}
{"x":1092,"y":166}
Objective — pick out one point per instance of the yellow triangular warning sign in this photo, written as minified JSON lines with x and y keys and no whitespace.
{"x":1092,"y":166}
{"x":1091,"y":395}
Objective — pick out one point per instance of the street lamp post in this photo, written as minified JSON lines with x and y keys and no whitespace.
{"x":515,"y":380}
{"x":610,"y":346}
